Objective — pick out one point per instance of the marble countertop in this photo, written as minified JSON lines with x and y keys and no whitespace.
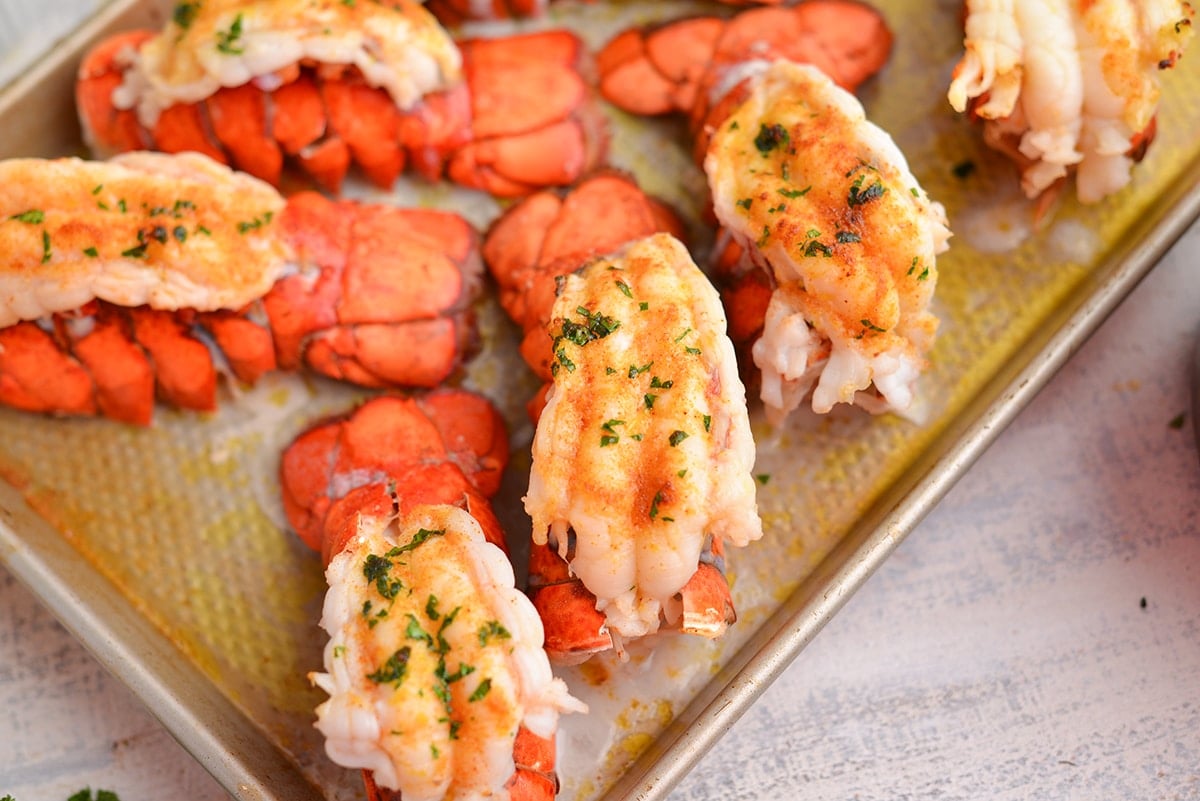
{"x":1036,"y":636}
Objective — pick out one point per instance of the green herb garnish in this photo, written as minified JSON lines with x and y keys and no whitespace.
{"x":771,"y":137}
{"x":394,"y":669}
{"x":185,"y":14}
{"x":481,"y":691}
{"x":33,"y":216}
{"x":421,"y":536}
{"x":376,"y":570}
{"x":859,"y":196}
{"x":492,"y":630}
{"x":658,"y":498}
{"x":227,"y":41}
{"x":870,"y":326}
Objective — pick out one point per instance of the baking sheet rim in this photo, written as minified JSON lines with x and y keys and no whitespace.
{"x":250,"y":767}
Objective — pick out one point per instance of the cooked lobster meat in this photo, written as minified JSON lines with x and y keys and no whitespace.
{"x":438,"y":684}
{"x":544,"y":252}
{"x":1068,"y":87}
{"x":827,"y":243}
{"x":147,"y":275}
{"x":327,"y":85}
{"x":643,"y":456}
{"x":823,"y":201}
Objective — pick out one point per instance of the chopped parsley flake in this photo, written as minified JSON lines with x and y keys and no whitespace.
{"x":492,"y":630}
{"x":847,"y":237}
{"x":227,"y":41}
{"x":745,"y":203}
{"x":766,"y":234}
{"x":339,"y":651}
{"x":649,"y":399}
{"x":692,"y":351}
{"x":46,"y":252}
{"x":817,"y":247}
{"x":655,"y":383}
{"x":795,"y":193}
{"x":658,"y":498}
{"x":1178,"y":420}
{"x":431,"y":610}
{"x":185,"y":14}
{"x":563,"y":360}
{"x":608,"y":439}
{"x":421,"y":536}
{"x":859,"y":196}
{"x":394,"y":669}
{"x":415,"y":631}
{"x":684,"y":334}
{"x":595,"y":326}
{"x":258,"y":222}
{"x":913,"y":267}
{"x":176,"y":210}
{"x":481,"y":691}
{"x":643,"y":306}
{"x":870,"y":326}
{"x":91,"y":253}
{"x":625,"y":290}
{"x":376,"y":570}
{"x":635,"y":371}
{"x":763,"y":478}
{"x":707,"y":422}
{"x":677,"y":437}
{"x":33,"y":216}
{"x":771,"y":137}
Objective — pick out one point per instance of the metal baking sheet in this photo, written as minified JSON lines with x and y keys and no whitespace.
{"x":162,"y":549}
